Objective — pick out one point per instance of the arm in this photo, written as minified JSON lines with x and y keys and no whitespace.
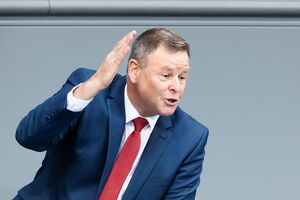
{"x":50,"y":121}
{"x":187,"y":179}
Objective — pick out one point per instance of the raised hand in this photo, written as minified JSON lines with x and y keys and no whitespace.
{"x":107,"y":70}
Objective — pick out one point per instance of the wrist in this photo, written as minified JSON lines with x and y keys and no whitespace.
{"x":88,"y":89}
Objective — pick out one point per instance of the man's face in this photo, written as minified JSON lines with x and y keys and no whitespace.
{"x":160,"y":85}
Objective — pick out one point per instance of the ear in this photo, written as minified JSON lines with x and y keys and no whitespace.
{"x":133,"y":70}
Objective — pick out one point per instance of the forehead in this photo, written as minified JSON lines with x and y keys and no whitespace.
{"x":165,"y":58}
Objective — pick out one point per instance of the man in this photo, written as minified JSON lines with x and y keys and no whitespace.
{"x":114,"y":137}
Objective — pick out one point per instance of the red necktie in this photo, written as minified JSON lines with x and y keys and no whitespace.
{"x":124,"y":162}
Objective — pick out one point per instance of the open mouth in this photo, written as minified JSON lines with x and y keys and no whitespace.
{"x":171,"y":101}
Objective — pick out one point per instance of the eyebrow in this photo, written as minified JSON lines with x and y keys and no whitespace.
{"x":168,"y":68}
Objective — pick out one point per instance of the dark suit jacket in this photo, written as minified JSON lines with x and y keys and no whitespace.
{"x":82,"y":147}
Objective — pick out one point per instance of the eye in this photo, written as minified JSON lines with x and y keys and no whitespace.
{"x":182,"y":77}
{"x":166,"y":75}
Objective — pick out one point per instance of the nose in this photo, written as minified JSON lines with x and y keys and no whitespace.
{"x":176,"y":85}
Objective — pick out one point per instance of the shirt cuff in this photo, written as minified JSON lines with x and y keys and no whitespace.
{"x":74,"y":104}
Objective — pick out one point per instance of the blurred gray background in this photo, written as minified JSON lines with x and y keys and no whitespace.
{"x":243,"y":85}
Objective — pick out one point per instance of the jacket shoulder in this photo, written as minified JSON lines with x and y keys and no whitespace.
{"x":80,"y":75}
{"x":188,"y":124}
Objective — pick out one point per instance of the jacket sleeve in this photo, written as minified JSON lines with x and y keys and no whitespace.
{"x":50,"y":121}
{"x":187,"y":179}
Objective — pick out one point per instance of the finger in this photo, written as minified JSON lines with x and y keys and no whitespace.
{"x":120,"y":55}
{"x":126,"y":40}
{"x":121,"y":49}
{"x":116,"y":56}
{"x":130,"y":37}
{"x":123,"y":46}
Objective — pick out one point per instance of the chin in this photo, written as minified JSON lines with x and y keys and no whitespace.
{"x":167,"y":112}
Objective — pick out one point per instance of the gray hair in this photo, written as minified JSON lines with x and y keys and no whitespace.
{"x":149,"y":40}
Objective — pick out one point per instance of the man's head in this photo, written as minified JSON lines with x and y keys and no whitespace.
{"x":149,"y":40}
{"x":157,"y":70}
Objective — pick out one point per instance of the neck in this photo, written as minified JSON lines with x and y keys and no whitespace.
{"x":133,"y":96}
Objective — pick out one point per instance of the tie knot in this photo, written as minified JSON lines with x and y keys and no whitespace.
{"x":139,"y":123}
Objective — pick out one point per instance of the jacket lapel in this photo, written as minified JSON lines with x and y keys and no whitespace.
{"x":157,"y":142}
{"x":116,"y":113}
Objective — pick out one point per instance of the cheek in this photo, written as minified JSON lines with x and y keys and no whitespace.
{"x":154,"y":85}
{"x":182,"y":90}
{"x":159,"y":90}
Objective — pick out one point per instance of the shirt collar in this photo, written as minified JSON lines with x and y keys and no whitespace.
{"x":131,"y":113}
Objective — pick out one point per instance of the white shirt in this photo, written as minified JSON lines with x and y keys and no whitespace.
{"x":76,"y":105}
